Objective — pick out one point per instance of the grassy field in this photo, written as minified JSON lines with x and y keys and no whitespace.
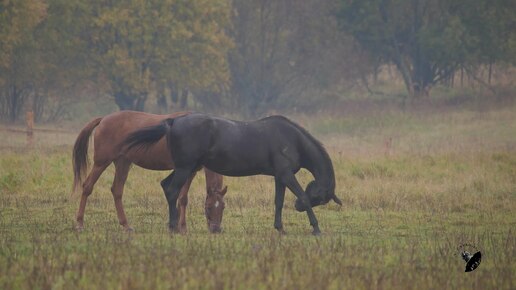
{"x":415,"y":185}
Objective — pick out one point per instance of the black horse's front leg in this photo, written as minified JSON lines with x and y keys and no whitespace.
{"x":311,"y":215}
{"x":291,"y":182}
{"x":278,"y":200}
{"x":172,"y":186}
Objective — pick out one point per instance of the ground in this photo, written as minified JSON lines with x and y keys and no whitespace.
{"x":415,"y":185}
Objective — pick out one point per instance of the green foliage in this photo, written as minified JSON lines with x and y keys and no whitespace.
{"x":10,"y":181}
{"x":428,"y":40}
{"x":247,"y":56}
{"x":130,"y":49}
{"x":288,"y":54}
{"x":142,"y":46}
{"x":18,"y":19}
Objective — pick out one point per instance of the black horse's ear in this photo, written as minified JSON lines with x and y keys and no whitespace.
{"x":337,"y":200}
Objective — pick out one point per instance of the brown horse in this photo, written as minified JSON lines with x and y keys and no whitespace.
{"x":111,"y":131}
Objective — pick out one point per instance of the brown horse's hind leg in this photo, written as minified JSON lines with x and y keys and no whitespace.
{"x":87,"y":189}
{"x":122,"y":167}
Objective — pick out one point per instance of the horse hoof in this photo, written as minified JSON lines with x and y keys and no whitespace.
{"x":129,"y":229}
{"x":282,"y":232}
{"x":79,"y":228}
{"x":316,"y":233}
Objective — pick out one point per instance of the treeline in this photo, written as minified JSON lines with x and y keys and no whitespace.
{"x":245,"y":55}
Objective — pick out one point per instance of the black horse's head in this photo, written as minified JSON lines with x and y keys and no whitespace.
{"x":317,"y":195}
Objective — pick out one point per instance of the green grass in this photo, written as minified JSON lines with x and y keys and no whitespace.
{"x":445,"y":179}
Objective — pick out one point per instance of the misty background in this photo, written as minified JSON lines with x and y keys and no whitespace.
{"x":73,"y":59}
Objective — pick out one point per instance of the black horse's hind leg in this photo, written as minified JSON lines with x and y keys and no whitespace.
{"x":165,"y":184}
{"x":172,"y":185}
{"x":291,"y":182}
{"x":278,"y":200}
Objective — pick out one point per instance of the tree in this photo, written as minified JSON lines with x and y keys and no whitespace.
{"x":286,"y":50}
{"x":18,"y":20}
{"x":490,"y":26}
{"x":61,"y":60}
{"x":41,"y":55}
{"x":146,"y":46}
{"x":427,"y":40}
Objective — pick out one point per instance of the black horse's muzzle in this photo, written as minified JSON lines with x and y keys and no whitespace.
{"x":300,"y":206}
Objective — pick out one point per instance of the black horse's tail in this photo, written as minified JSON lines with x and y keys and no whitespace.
{"x":144,"y":138}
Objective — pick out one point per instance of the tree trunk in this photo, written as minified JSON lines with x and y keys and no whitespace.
{"x":15,"y":99}
{"x":174,"y":93}
{"x":122,"y":101}
{"x":183,"y":101}
{"x":162,"y":103}
{"x":130,"y":102}
{"x":38,"y":105}
{"x":140,"y":103}
{"x":407,"y":78}
{"x":490,"y":72}
{"x":461,"y":77}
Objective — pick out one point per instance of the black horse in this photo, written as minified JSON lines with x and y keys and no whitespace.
{"x":272,"y":146}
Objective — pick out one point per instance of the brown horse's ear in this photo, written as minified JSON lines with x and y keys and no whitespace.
{"x":224,"y":190}
{"x":337,"y":200}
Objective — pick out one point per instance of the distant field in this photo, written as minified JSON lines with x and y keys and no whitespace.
{"x":414,"y":185}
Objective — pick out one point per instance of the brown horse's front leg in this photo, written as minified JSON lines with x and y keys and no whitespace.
{"x":182,"y":202}
{"x":122,"y":167}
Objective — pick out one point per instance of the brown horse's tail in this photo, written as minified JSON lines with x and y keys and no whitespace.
{"x":80,"y":153}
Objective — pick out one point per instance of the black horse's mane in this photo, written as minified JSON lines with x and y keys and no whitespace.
{"x":317,"y":143}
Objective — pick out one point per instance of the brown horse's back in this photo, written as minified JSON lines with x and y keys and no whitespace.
{"x":115,"y":127}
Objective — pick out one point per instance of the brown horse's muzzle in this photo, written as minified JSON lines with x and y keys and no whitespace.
{"x":214,"y":228}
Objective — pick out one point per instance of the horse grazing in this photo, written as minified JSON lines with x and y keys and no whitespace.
{"x":272,"y":146}
{"x":111,"y":131}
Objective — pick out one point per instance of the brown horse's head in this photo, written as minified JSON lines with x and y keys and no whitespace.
{"x":214,"y":208}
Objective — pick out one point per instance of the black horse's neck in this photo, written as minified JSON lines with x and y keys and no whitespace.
{"x":317,"y":160}
{"x":320,"y":165}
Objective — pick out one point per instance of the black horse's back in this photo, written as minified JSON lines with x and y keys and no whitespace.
{"x":228,"y":147}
